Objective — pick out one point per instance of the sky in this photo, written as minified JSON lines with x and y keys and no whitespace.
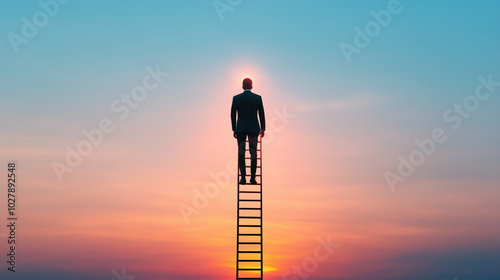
{"x":380,"y":159}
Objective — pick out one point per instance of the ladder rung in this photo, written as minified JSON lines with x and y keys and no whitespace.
{"x":249,"y":191}
{"x":249,"y":226}
{"x":249,"y":243}
{"x":249,"y":217}
{"x":250,"y":260}
{"x":250,"y":252}
{"x":239,"y":278}
{"x":250,"y":200}
{"x":254,"y":269}
{"x":250,"y":234}
{"x":248,"y":208}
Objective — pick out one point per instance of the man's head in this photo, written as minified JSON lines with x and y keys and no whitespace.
{"x":247,"y":83}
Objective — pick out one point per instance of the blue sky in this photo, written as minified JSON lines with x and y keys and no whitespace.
{"x":433,"y":49}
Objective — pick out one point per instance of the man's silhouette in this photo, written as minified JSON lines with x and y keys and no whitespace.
{"x":244,"y":122}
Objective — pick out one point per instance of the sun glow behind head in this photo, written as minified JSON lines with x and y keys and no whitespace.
{"x":242,"y":71}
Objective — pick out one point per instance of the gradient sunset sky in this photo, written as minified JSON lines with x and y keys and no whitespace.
{"x":339,"y":125}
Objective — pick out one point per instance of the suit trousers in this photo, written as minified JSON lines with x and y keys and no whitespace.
{"x":252,"y":143}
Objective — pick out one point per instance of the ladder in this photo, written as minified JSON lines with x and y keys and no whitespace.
{"x":249,"y":249}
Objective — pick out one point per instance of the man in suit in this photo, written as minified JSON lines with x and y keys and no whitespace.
{"x":245,"y":124}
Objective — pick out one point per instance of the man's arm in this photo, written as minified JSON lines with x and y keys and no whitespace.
{"x":262,"y":118}
{"x":233,"y":118}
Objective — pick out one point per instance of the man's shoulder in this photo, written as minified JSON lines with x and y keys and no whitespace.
{"x":247,"y":95}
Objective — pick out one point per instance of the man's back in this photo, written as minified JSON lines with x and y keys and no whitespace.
{"x":247,"y":105}
{"x":245,"y":125}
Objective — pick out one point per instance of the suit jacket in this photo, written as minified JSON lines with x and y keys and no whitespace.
{"x":247,"y":105}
